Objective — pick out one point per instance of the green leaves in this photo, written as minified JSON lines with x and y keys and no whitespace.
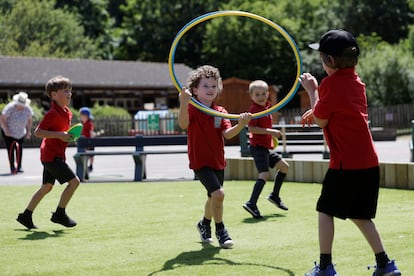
{"x":35,"y":28}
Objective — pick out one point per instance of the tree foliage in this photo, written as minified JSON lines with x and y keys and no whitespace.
{"x":96,"y":20}
{"x":35,"y":28}
{"x":388,"y":19}
{"x":149,"y":27}
{"x":388,"y":72}
{"x":241,"y":47}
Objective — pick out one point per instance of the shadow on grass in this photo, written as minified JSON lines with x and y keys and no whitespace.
{"x":41,"y":235}
{"x":206,"y":256}
{"x":6,"y":174}
{"x":264,"y":218}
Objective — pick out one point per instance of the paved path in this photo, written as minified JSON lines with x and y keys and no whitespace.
{"x":159,"y":167}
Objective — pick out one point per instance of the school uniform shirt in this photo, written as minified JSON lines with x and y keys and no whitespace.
{"x":342,"y":101}
{"x":264,"y":140}
{"x":205,"y":138}
{"x":87,"y":127}
{"x":56,"y":119}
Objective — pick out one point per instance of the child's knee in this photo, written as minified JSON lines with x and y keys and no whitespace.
{"x":46,"y":188}
{"x":218,"y":195}
{"x":74,"y":182}
{"x":282,"y":166}
{"x":264,"y":175}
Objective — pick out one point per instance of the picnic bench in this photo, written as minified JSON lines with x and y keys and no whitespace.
{"x":295,"y":139}
{"x":114,"y":142}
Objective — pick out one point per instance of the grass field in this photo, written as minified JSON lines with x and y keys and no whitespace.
{"x":149,"y":229}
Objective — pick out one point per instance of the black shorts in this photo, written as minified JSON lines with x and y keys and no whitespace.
{"x":57,"y":170}
{"x":350,"y":193}
{"x":211,"y":179}
{"x":264,"y":158}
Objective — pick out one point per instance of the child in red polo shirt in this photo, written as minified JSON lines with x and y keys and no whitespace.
{"x":88,"y":131}
{"x":261,"y":149}
{"x":206,"y":146}
{"x":351,"y":185}
{"x":53,"y":129}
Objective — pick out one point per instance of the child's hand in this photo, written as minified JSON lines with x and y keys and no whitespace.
{"x":245,"y":118}
{"x":309,"y":82}
{"x":307,"y":118}
{"x":65,"y":137}
{"x":276,"y":133}
{"x":185,"y":96}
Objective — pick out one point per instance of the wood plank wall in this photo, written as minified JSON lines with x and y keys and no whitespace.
{"x":392,"y":175}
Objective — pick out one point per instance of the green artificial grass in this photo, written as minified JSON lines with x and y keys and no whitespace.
{"x":149,"y":228}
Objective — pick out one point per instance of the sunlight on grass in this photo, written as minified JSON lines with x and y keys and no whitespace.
{"x":149,"y":229}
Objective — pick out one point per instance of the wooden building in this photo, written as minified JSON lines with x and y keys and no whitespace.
{"x":128,"y":84}
{"x":236,"y":99}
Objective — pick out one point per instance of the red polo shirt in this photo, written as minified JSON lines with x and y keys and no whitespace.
{"x":56,"y":119}
{"x":86,"y":128}
{"x":264,"y":140}
{"x":205,"y":139}
{"x":342,"y":101}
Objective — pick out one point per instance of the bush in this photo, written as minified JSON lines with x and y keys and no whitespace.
{"x":114,"y":121}
{"x":387,"y":71}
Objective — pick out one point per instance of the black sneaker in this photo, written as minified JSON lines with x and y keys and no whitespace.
{"x":278,"y":202}
{"x":205,"y":232}
{"x":63,"y":219}
{"x":252,"y":209}
{"x":90,"y":168}
{"x":26,"y":221}
{"x":224,"y":239}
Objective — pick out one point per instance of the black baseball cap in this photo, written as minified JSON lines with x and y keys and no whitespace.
{"x":334,"y":42}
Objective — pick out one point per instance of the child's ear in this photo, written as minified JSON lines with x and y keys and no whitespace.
{"x":331,"y":61}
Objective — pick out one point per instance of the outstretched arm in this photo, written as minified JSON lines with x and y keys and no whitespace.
{"x":234,"y":130}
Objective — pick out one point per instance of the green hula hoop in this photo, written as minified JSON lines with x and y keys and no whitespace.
{"x":216,"y":14}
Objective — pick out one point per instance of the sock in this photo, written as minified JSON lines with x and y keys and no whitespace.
{"x":382,"y":259}
{"x":60,"y":211}
{"x":27,"y":212}
{"x":257,"y":189}
{"x":278,"y":183}
{"x":206,"y":221}
{"x":325,"y":260}
{"x":219,"y":226}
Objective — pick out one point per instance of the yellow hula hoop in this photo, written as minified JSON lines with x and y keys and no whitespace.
{"x":216,"y":14}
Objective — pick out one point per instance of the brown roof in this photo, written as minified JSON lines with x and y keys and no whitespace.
{"x":84,"y":73}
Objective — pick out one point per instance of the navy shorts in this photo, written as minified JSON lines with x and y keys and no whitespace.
{"x":350,"y":193}
{"x":211,"y":179}
{"x":57,"y":170}
{"x":264,"y":158}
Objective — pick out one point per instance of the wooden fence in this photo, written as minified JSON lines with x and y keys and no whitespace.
{"x":392,"y":175}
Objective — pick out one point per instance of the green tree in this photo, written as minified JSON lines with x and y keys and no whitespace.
{"x":96,"y":20}
{"x":388,"y":72}
{"x":149,"y":27}
{"x":389,"y":19}
{"x":35,"y":28}
{"x":250,"y":49}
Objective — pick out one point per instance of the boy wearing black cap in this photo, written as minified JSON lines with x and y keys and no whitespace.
{"x":351,"y":185}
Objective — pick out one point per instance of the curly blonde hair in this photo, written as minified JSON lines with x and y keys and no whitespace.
{"x":205,"y":71}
